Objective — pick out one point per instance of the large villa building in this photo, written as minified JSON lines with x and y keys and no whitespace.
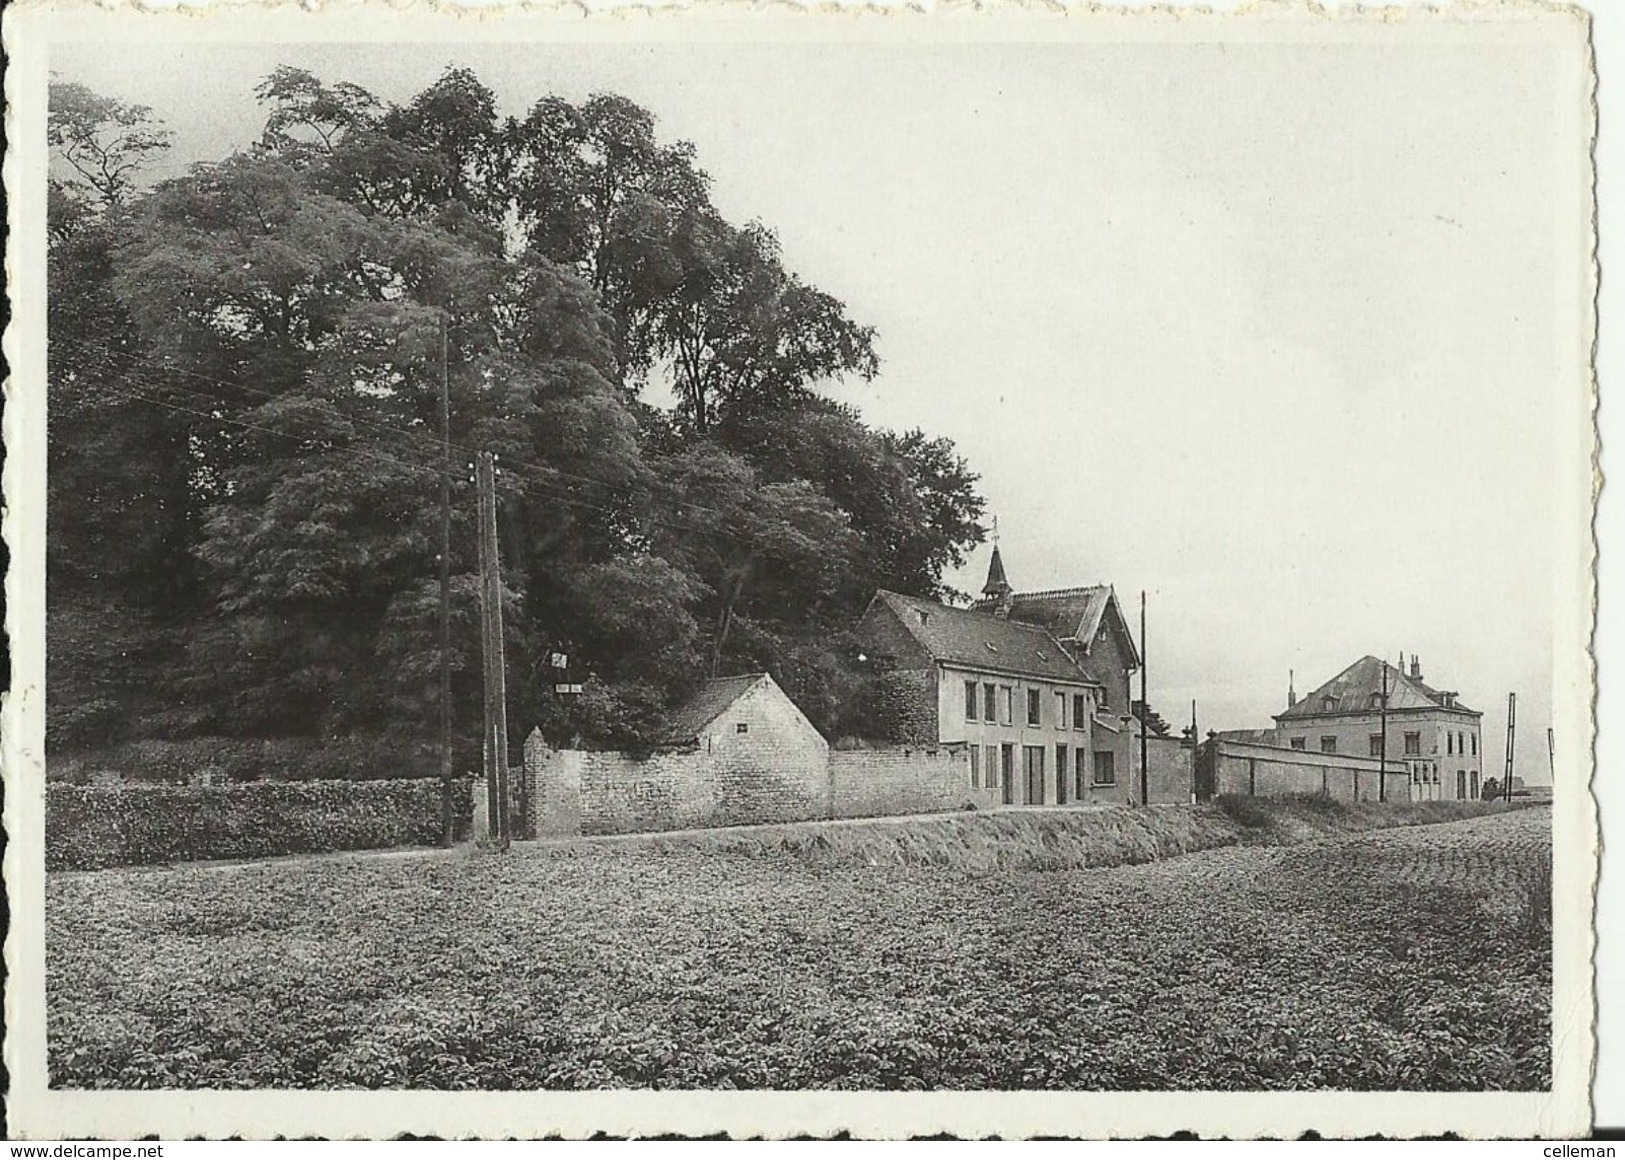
{"x":1035,"y":687}
{"x":1437,"y":737}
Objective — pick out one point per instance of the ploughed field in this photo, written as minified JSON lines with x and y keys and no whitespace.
{"x":1404,"y":958}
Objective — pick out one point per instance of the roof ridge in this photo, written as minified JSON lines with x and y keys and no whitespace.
{"x":971,"y":611}
{"x":1049,"y":593}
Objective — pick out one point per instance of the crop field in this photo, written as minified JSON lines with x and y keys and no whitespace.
{"x":1413,"y":958}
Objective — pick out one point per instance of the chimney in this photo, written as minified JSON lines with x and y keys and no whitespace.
{"x":1416,"y":668}
{"x":1291,"y":688}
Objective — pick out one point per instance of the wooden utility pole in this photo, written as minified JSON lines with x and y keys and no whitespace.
{"x":1196,"y":742}
{"x":1382,"y":745}
{"x":447,"y":832}
{"x":1512,"y":733}
{"x":499,"y":656}
{"x":487,"y":731}
{"x":496,"y":714}
{"x":1145,"y":710}
{"x":1551,"y":756}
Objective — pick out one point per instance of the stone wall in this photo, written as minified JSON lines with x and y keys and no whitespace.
{"x":868,"y":783}
{"x":573,"y":792}
{"x":906,"y":700}
{"x":1250,"y":770}
{"x":1168,"y":773}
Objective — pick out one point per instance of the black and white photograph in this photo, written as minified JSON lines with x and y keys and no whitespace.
{"x":1034,"y":567}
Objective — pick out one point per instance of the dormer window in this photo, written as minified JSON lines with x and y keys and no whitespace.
{"x":1328,"y":703}
{"x":925,"y":617}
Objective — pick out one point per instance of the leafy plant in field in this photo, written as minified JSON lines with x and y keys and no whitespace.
{"x":660,"y":965}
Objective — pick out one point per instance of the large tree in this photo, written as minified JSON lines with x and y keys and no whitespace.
{"x":247,"y":362}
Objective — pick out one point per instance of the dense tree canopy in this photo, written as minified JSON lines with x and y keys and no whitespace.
{"x":246,"y":364}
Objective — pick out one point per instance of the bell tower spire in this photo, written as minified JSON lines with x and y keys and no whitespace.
{"x":997,"y":584}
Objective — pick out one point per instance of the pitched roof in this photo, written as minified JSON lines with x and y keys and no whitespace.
{"x":1356,"y":688}
{"x":1250,"y":736}
{"x":689,"y":719}
{"x":1068,"y":613}
{"x":980,"y":640}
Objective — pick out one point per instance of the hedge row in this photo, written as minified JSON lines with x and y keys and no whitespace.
{"x":90,"y":827}
{"x":244,"y":759}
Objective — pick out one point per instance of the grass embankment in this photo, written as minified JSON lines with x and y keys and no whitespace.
{"x":1063,"y":839}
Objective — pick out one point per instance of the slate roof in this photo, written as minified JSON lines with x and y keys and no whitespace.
{"x":689,"y":719}
{"x":1067,"y":613}
{"x":980,"y":640}
{"x":1352,"y":692}
{"x":1251,"y":736}
{"x":996,"y":583}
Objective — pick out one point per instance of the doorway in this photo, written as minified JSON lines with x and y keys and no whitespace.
{"x":1032,"y":768}
{"x":1007,"y":773}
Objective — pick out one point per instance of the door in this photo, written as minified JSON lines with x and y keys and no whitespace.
{"x":1032,"y":761}
{"x":1473,"y":783}
{"x":1007,"y":772}
{"x":1060,"y":775}
{"x":1461,"y":785}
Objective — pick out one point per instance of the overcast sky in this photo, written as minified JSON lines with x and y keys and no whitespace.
{"x":1266,"y":330}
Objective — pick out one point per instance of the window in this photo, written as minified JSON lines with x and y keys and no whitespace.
{"x":970,"y":700}
{"x":1461,"y":743}
{"x":1450,"y":743}
{"x":1081,"y":759}
{"x":1300,"y":743}
{"x":1105,"y":767}
{"x":1007,"y":704}
{"x":1413,"y":744}
{"x":1060,"y":710}
{"x":1060,"y":774}
{"x":990,"y":762}
{"x":1080,"y":711}
{"x":976,"y":767}
{"x":1474,"y":736}
{"x":742,"y":727}
{"x":990,"y":704}
{"x":1035,"y":707}
{"x":1328,"y":745}
{"x":1376,"y":745}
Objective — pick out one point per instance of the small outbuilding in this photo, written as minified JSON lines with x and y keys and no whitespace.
{"x":737,"y":752}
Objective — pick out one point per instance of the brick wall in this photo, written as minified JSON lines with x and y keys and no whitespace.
{"x":868,"y":783}
{"x":1270,"y":771}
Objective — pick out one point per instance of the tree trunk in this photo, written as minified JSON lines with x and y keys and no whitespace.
{"x":725,"y":619}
